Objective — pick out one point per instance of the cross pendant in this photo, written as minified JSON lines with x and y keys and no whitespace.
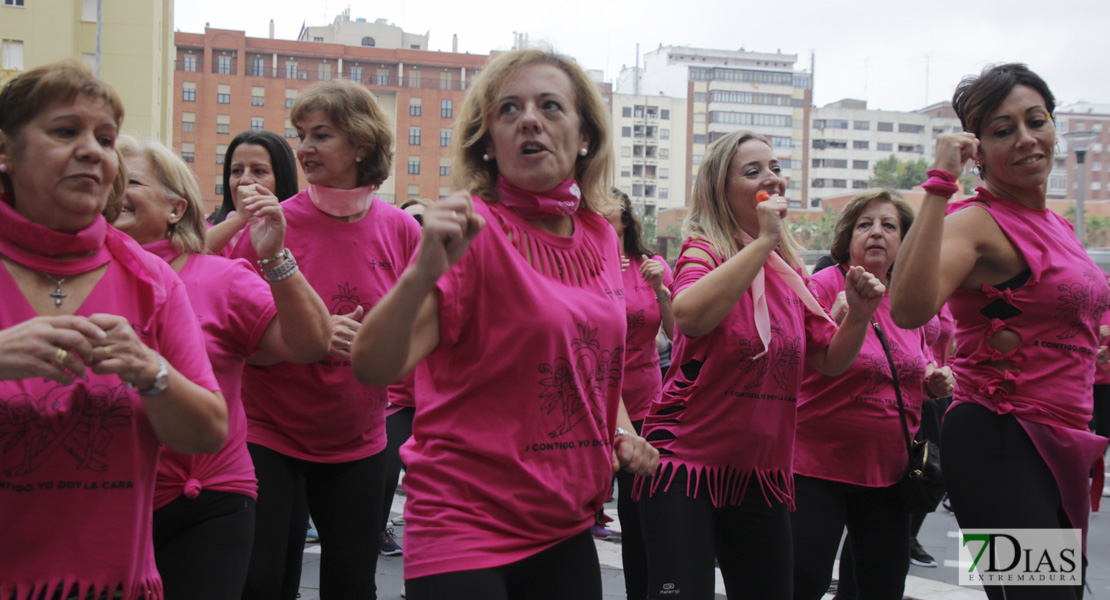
{"x":57,"y":295}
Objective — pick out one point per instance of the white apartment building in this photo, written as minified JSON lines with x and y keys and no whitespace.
{"x":1063,"y":182}
{"x":847,"y":139}
{"x":730,"y":90}
{"x":650,"y":142}
{"x":360,"y":32}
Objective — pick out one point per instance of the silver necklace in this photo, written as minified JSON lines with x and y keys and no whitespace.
{"x":57,"y":294}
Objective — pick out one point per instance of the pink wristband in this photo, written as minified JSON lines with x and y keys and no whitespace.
{"x":940,"y":183}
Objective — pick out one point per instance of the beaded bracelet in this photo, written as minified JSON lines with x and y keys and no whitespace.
{"x":940,"y":183}
{"x":283,"y":271}
{"x":280,"y":255}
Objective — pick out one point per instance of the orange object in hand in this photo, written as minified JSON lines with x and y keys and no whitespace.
{"x":762,"y":196}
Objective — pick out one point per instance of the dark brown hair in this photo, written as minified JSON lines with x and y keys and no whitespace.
{"x":633,"y":233}
{"x":978,"y":96}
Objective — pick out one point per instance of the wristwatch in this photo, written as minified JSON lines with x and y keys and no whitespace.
{"x":161,"y":380}
{"x":666,"y":296}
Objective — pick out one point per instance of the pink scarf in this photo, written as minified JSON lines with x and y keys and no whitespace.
{"x":341,"y":203}
{"x":163,"y":249}
{"x":561,"y":201}
{"x":35,"y":246}
{"x":790,"y":277}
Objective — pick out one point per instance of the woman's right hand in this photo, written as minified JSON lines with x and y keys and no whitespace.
{"x":267,"y":221}
{"x":449,"y":227}
{"x":954,"y":150}
{"x":32,"y":348}
{"x":771,"y":212}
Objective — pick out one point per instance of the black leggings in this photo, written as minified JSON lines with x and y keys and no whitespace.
{"x":398,"y":429}
{"x":345,"y":502}
{"x":568,"y":569}
{"x":633,"y":553}
{"x":997,"y":479}
{"x":1100,"y":423}
{"x":751,"y":542}
{"x":879,"y":528}
{"x":202,"y":545}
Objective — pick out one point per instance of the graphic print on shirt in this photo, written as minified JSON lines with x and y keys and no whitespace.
{"x":347,"y":300}
{"x":1082,"y":304}
{"x":877,"y":371}
{"x":591,"y":370}
{"x":77,"y":419}
{"x":636,"y":322}
{"x":781,"y":360}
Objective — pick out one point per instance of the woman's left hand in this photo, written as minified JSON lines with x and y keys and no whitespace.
{"x":863,"y":291}
{"x":940,"y":383}
{"x":652,"y":272}
{"x":122,"y":353}
{"x":634,"y":454}
{"x":266,"y":220}
{"x":344,"y":328}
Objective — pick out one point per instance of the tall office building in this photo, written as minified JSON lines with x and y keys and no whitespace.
{"x":226,"y":82}
{"x":649,"y":134}
{"x":730,"y":90}
{"x":135,"y":55}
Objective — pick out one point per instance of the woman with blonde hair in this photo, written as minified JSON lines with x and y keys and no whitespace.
{"x":204,"y":504}
{"x":315,"y":434}
{"x":512,"y":317}
{"x":101,"y":362}
{"x":724,"y":425}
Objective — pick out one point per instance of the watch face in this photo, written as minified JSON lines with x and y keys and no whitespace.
{"x":161,"y":380}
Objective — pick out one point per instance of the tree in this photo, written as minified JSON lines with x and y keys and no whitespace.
{"x":897,"y":175}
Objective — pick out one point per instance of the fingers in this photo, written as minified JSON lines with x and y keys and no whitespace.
{"x":635,"y":455}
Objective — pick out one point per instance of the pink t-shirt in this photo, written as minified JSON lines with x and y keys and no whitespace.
{"x":234,"y":307}
{"x":1056,"y":313}
{"x":849,"y":427}
{"x":938,"y":335}
{"x":78,"y":462}
{"x":642,"y":380}
{"x":511,"y":442}
{"x":318,"y":411}
{"x":726,"y":418}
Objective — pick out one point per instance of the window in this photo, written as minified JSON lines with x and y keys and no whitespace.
{"x":414,"y":165}
{"x":223,"y":94}
{"x":910,"y":128}
{"x":664,"y":134}
{"x":414,"y":136}
{"x":665,"y":114}
{"x":915,"y":148}
{"x":188,"y":92}
{"x":187,"y":150}
{"x":223,"y":124}
{"x":368,"y":41}
{"x":290,"y":96}
{"x":830,"y":123}
{"x":221,"y":153}
{"x":664,"y":193}
{"x":447,"y":109}
{"x":699,"y":138}
{"x":664,"y":173}
{"x":414,"y":78}
{"x":695,"y":159}
{"x":626,"y":151}
{"x":291,"y":69}
{"x":257,"y":124}
{"x":258,"y":67}
{"x":626,"y":111}
{"x":699,"y":96}
{"x":191,"y":63}
{"x":757,"y":119}
{"x":885,"y":126}
{"x":858,"y":184}
{"x":220,"y":189}
{"x":258,"y":96}
{"x":861,"y":145}
{"x":88,"y":11}
{"x":861,"y":125}
{"x":415,"y":107}
{"x":1096,"y":166}
{"x":323,"y":71}
{"x":356,"y":74}
{"x":383,"y":77}
{"x":223,"y":65}
{"x":626,"y":132}
{"x":445,"y":80}
{"x":13,"y":2}
{"x":860,"y":164}
{"x":444,"y":170}
{"x":444,"y":137}
{"x":290,"y":131}
{"x":1096,"y":186}
{"x":664,"y":153}
{"x":830,"y":163}
{"x":188,"y":122}
{"x":317,"y":39}
{"x":637,"y":189}
{"x":881,"y":147}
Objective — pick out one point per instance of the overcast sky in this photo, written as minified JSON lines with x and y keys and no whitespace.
{"x":877,"y":50}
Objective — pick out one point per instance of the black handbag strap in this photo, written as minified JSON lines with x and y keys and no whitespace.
{"x":893,"y":376}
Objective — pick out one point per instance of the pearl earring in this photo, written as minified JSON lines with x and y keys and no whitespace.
{"x":485,"y":157}
{"x":584,"y":151}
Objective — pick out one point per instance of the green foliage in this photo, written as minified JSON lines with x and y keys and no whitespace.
{"x":816,"y":234}
{"x":897,"y":175}
{"x":1097,"y":228}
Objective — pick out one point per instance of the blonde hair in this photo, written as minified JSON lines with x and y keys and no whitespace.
{"x":352,"y":109}
{"x":178,"y":181}
{"x":842,"y":232}
{"x":711,"y":216}
{"x":594,"y":171}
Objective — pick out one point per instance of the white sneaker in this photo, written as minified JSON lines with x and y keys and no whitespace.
{"x":398,"y":521}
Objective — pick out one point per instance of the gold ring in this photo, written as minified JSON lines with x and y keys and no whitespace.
{"x":60,"y":356}
{"x":455,"y":215}
{"x":107,"y":350}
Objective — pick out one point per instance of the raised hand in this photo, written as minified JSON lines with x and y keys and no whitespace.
{"x":771,"y":212}
{"x":449,"y":227}
{"x":266,"y":220}
{"x":863,"y":293}
{"x":954,"y":150}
